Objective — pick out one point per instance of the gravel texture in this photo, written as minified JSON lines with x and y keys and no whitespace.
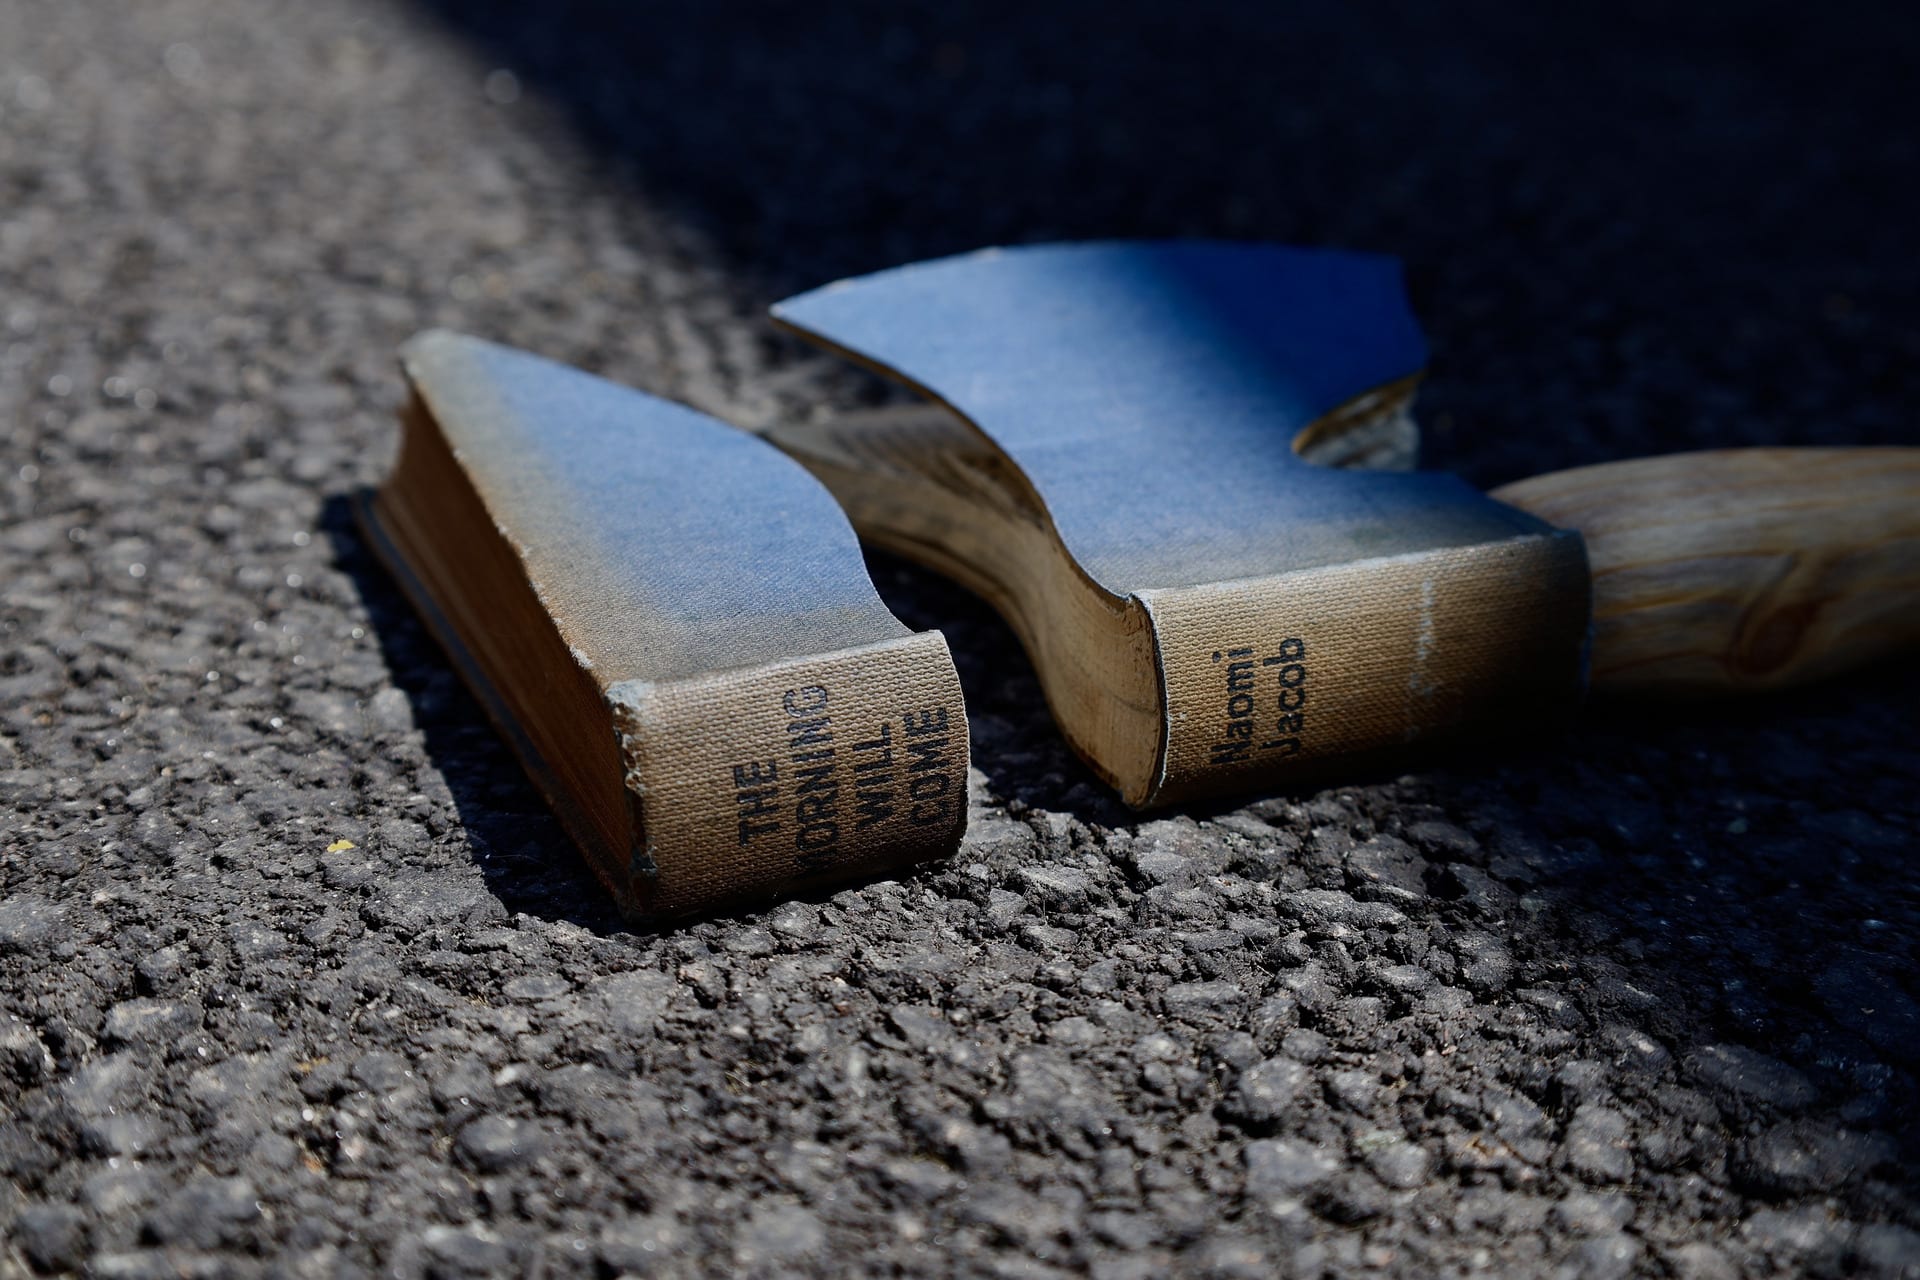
{"x":298,"y":977}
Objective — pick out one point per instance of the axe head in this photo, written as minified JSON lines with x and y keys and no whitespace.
{"x":1152,"y":396}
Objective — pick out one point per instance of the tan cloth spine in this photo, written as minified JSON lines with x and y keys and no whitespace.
{"x":768,"y":781}
{"x":1265,"y":678}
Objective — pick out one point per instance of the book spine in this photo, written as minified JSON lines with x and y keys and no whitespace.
{"x":1272,"y":678}
{"x":777,"y":779}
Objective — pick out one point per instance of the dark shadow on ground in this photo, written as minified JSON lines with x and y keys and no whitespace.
{"x":1630,"y":228}
{"x":528,"y":861}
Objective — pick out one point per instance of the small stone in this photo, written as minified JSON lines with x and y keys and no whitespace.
{"x":776,"y":1233}
{"x":1048,"y":1093}
{"x":1389,"y":863}
{"x":254,"y":943}
{"x":1313,"y":988}
{"x":389,"y":711}
{"x":534,"y":987}
{"x":1355,"y":1090}
{"x":635,"y":1000}
{"x":1075,"y":1032}
{"x":1158,"y":865}
{"x":1236,"y":1049}
{"x":1273,"y":1018}
{"x":1055,"y":884}
{"x":118,"y":1134}
{"x":639,"y":1244}
{"x":147,"y":1021}
{"x":415,"y":903}
{"x":1228,"y":1257}
{"x":1400,"y":979}
{"x":1044,"y":937}
{"x":1304,"y":1045}
{"x":30,"y":924}
{"x":1352,"y":1198}
{"x":1264,"y":1093}
{"x":750,"y":942}
{"x":1637,"y":1050}
{"x":1324,"y":907}
{"x":1157,"y":1047}
{"x":21,"y":1054}
{"x":1700,"y":1261}
{"x":112,"y":1192}
{"x":205,"y":1214}
{"x":976,"y":1149}
{"x":245,"y":1080}
{"x":996,"y":835}
{"x":1480,"y":891}
{"x":1398,"y":1163}
{"x":1059,"y":826}
{"x":1791,"y":1232}
{"x":920,"y":1025}
{"x":472,"y":1251}
{"x":105,"y":1086}
{"x":382,"y":1071}
{"x":496,"y":1143}
{"x":925,"y":1180}
{"x":1609,"y":1257}
{"x":1202,"y":941}
{"x":1582,"y":1080}
{"x":1591,"y":1214}
{"x":1595,"y":1148}
{"x":1189,"y":1000}
{"x":461,"y":1085}
{"x":797,"y":920}
{"x":1285,"y":1166}
{"x":1486,"y":966}
{"x":1003,"y":906}
{"x":402,"y":835}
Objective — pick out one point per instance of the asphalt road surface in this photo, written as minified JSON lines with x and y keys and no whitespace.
{"x":298,"y":977}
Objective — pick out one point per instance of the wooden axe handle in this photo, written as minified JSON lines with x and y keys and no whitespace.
{"x":1742,"y":568}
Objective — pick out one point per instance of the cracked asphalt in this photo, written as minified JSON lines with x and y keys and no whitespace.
{"x":298,"y":977}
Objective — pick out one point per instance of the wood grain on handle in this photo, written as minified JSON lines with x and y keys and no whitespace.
{"x":1742,"y":568}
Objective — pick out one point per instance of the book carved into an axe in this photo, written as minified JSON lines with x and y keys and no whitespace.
{"x":1117,"y":459}
{"x":671,"y":624}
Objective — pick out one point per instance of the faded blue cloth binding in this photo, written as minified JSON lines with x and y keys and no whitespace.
{"x":1151,"y":392}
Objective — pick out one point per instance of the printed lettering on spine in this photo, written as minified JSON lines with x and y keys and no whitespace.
{"x":1276,"y":712}
{"x":874,"y":779}
{"x":934,"y":785}
{"x":596,"y":562}
{"x":818,"y":795}
{"x":816,"y":782}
